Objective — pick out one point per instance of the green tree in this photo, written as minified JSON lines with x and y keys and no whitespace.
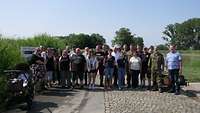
{"x":123,"y":36}
{"x":97,"y":39}
{"x":170,"y":33}
{"x":185,"y":35}
{"x":83,"y":40}
{"x":139,"y":41}
{"x":189,"y":33}
{"x":162,"y":47}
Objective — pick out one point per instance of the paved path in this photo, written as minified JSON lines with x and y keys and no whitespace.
{"x":84,"y":102}
{"x":149,"y":102}
{"x":58,"y":100}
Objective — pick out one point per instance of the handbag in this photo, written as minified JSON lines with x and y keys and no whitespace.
{"x":167,"y":81}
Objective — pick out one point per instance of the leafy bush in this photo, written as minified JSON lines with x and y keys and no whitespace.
{"x":162,"y":47}
{"x":10,"y":54}
{"x":3,"y":92}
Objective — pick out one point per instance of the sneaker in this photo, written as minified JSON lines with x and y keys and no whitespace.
{"x":177,"y":93}
{"x":149,"y":88}
{"x":142,"y":86}
{"x":77,"y":85}
{"x":171,"y":91}
{"x":93,"y":86}
{"x":101,"y":85}
{"x":120,"y":88}
{"x":134,"y":87}
{"x":63,"y":87}
{"x":82,"y":86}
{"x":129,"y":86}
{"x":90,"y":86}
{"x":160,"y":90}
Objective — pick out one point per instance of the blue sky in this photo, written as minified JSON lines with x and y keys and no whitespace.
{"x":146,"y":18}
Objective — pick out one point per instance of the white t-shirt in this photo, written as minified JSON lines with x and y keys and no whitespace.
{"x":91,"y":63}
{"x":116,"y":55}
{"x":44,"y":55}
{"x":135,"y":63}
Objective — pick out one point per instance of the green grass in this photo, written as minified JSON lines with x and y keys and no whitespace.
{"x":191,"y":64}
{"x":191,"y":67}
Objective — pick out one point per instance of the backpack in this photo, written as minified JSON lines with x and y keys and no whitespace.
{"x":182,"y":81}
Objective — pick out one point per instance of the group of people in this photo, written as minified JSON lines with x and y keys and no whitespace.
{"x":120,"y":67}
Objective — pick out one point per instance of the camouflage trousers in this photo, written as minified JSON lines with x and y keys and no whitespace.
{"x":158,"y":79}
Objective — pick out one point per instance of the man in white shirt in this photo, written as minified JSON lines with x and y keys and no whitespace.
{"x":174,"y":66}
{"x":116,"y":53}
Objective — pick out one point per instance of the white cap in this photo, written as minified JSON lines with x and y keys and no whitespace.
{"x":117,"y":46}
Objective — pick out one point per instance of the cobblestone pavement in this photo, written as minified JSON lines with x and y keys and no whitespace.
{"x":58,"y":100}
{"x":134,"y":101}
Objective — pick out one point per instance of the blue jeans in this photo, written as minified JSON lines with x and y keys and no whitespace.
{"x":121,"y":74}
{"x":108,"y":72}
{"x":173,"y":75}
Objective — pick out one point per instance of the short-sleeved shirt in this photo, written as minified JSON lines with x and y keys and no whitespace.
{"x":91,"y":63}
{"x":78,"y":63}
{"x":100,"y":57}
{"x":64,"y":63}
{"x":145,"y":61}
{"x":110,"y":62}
{"x":173,"y":60}
{"x":116,"y":55}
{"x":121,"y":62}
{"x":135,"y":63}
{"x":140,"y":54}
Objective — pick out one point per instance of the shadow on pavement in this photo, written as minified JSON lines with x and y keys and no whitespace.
{"x":61,"y":92}
{"x":46,"y":102}
{"x":39,"y":106}
{"x":191,"y":94}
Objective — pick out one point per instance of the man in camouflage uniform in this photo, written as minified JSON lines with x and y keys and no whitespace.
{"x":129,"y":55}
{"x":157,"y":67}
